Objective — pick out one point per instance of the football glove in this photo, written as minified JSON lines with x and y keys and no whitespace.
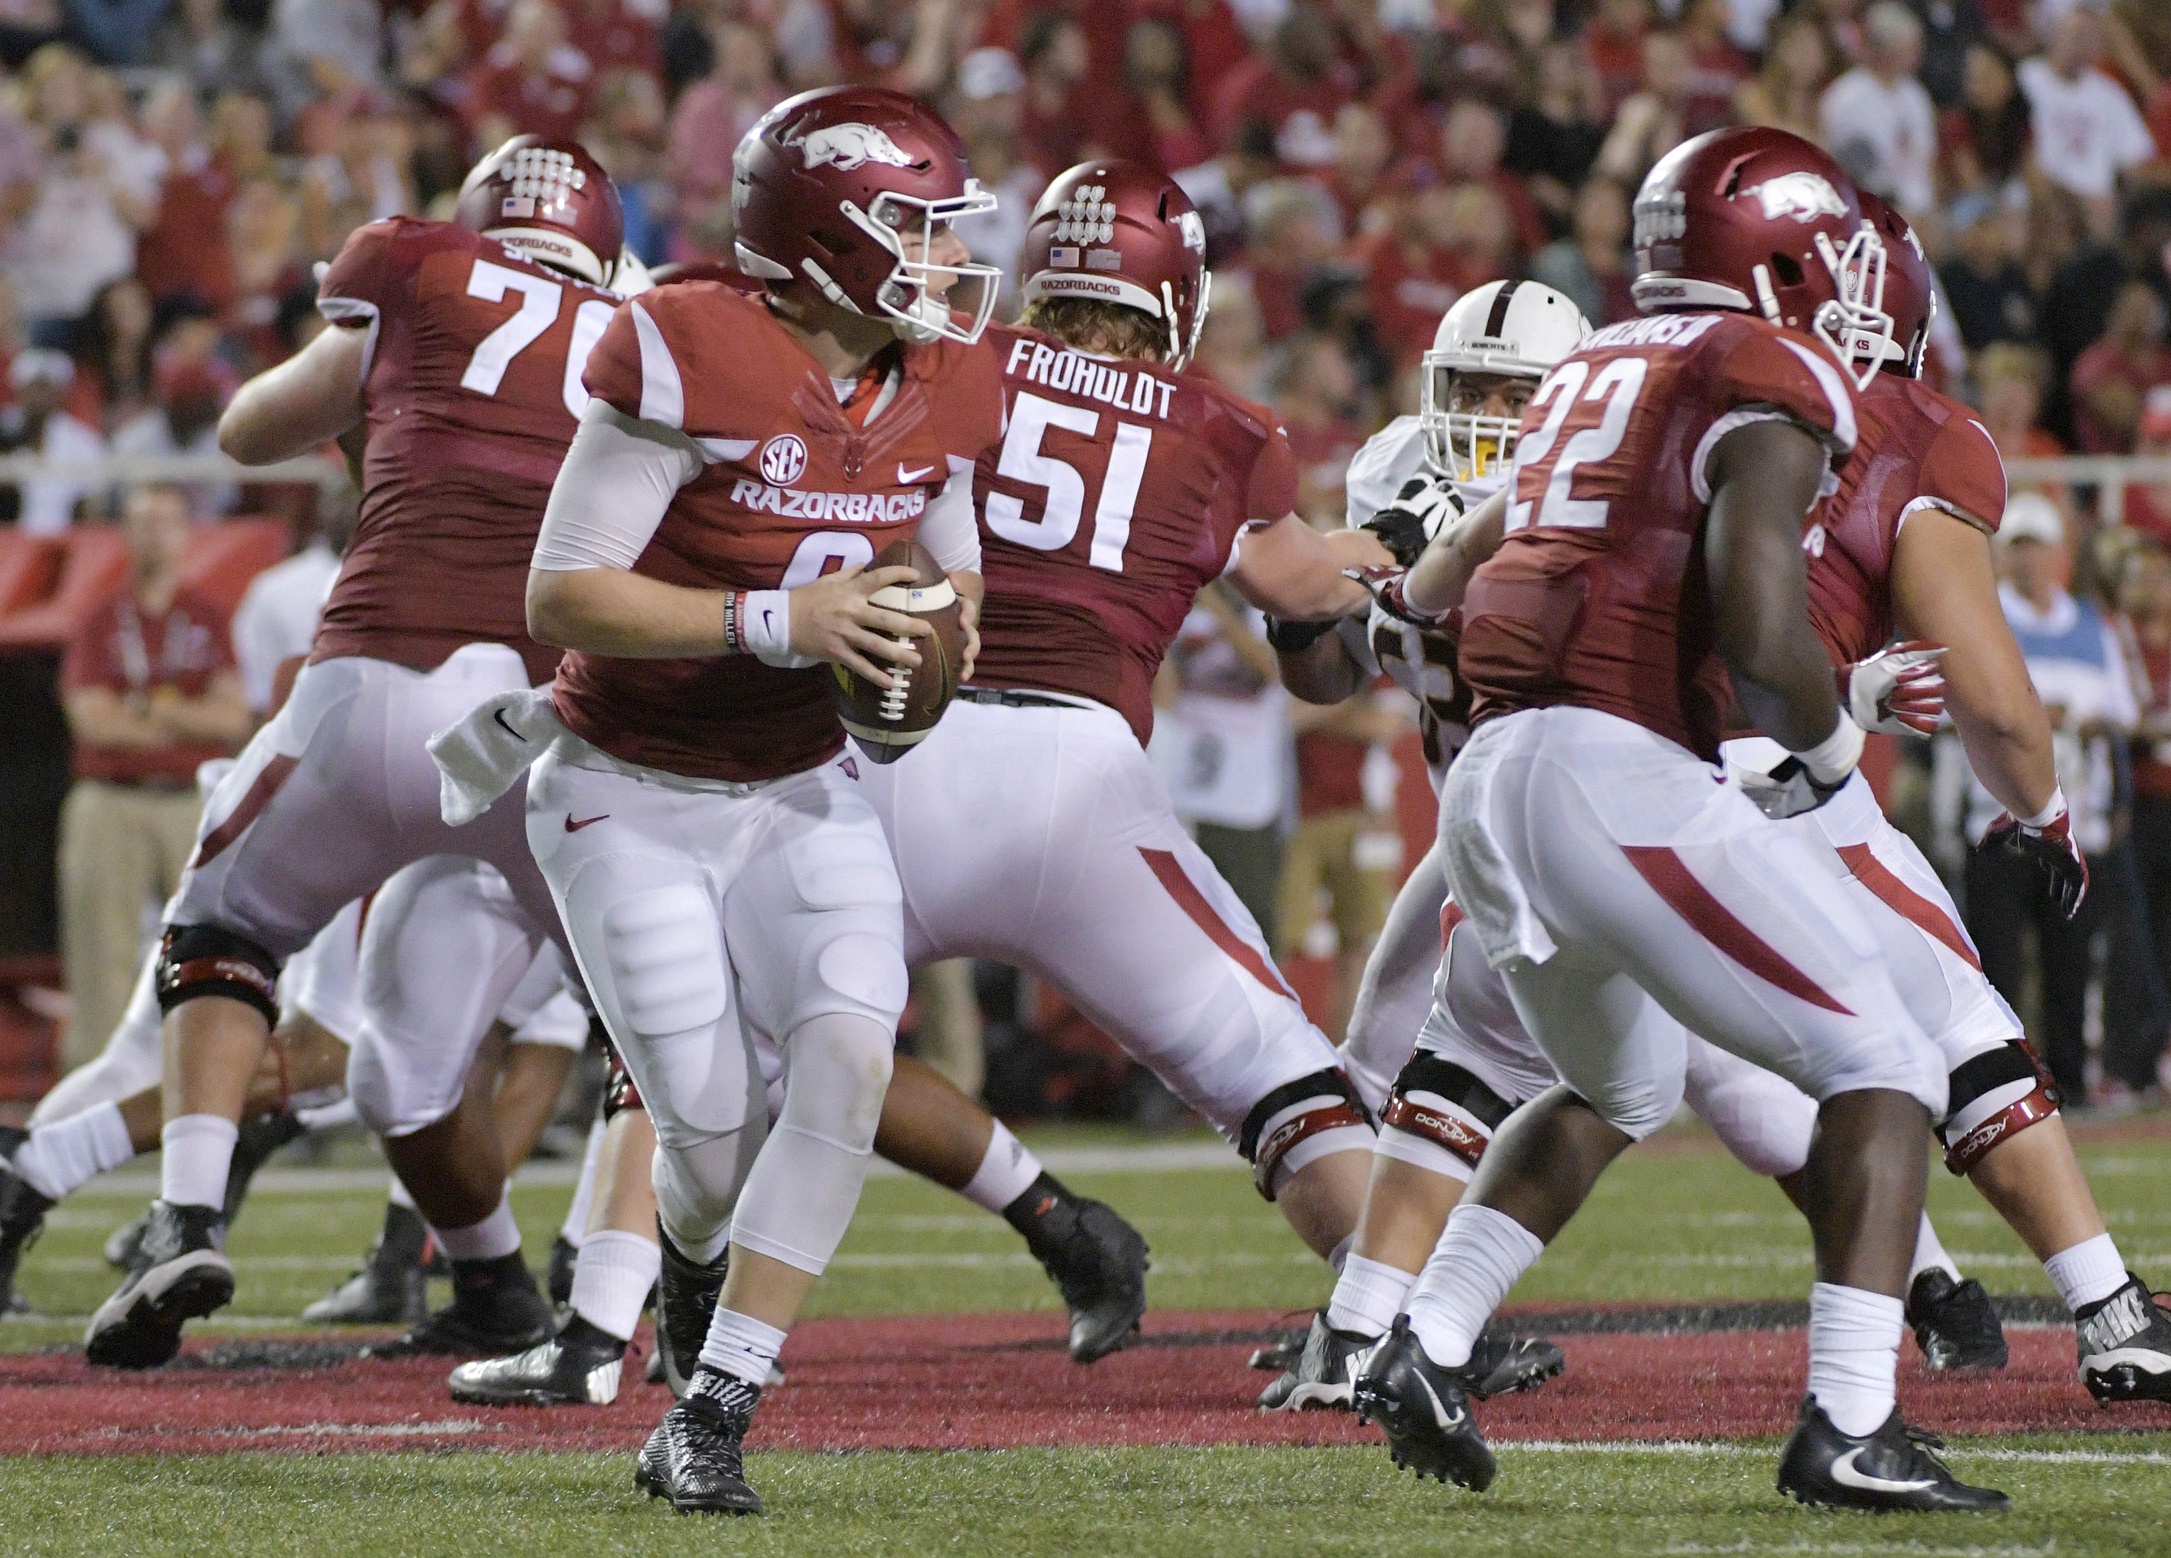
{"x":1385,"y":587}
{"x":1421,"y":510}
{"x":1803,"y":781}
{"x":2050,"y":849}
{"x":1289,"y":638}
{"x":1897,"y":691}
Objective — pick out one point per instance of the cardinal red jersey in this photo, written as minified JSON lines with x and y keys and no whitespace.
{"x":1916,"y":449}
{"x":471,"y":387}
{"x":1598,"y":595}
{"x":1116,"y":495}
{"x":790,"y":489}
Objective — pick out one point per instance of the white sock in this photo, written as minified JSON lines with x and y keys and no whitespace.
{"x":2089,"y":1272}
{"x":58,"y":1157}
{"x":1368,"y":1296}
{"x":1006,"y":1173}
{"x":574,"y":1230}
{"x":398,"y":1195}
{"x":495,"y":1235}
{"x":1854,"y":1353}
{"x":1929,"y":1252}
{"x":199,"y":1149}
{"x":741,"y":1346}
{"x":612,"y":1278}
{"x":1482,"y":1254}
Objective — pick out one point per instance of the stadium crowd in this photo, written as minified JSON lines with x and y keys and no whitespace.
{"x":171,"y":170}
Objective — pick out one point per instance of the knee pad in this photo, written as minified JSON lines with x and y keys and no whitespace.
{"x":1994,"y":1096}
{"x":1440,"y":1103}
{"x":1291,"y":1115}
{"x":199,"y":960}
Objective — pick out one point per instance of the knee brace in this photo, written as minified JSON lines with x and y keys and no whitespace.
{"x":1291,"y":1115}
{"x":1440,"y":1103}
{"x":619,"y":1091}
{"x":1994,"y":1096}
{"x":199,"y":960}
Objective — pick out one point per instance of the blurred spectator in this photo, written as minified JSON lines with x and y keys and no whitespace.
{"x":208,"y":49}
{"x":712,"y":114}
{"x":2074,"y":659}
{"x":324,"y":51}
{"x":1593,"y":265}
{"x":1296,"y":86}
{"x":36,"y":423}
{"x":1341,"y":865}
{"x":533,"y":81}
{"x":1613,"y":43}
{"x":1052,"y":52}
{"x":2087,"y":129}
{"x":1316,"y":391}
{"x":1717,"y":67}
{"x":1359,"y":180}
{"x":1555,"y":136}
{"x":183,"y":250}
{"x":1411,"y":272}
{"x":1232,"y":348}
{"x":277,"y":619}
{"x":150,"y":692}
{"x":1951,"y":31}
{"x":1787,"y":90}
{"x":2113,"y":377}
{"x":2074,"y":306}
{"x":1164,"y":128}
{"x":113,"y":348}
{"x":1473,"y":139}
{"x":263,"y":232}
{"x":27,"y":26}
{"x":619,"y":34}
{"x":1658,"y":117}
{"x":184,"y":420}
{"x":1983,"y":138}
{"x":1983,"y":281}
{"x":2144,"y":598}
{"x":1292,"y":228}
{"x":1878,"y":120}
{"x":2148,"y":504}
{"x":116,"y":32}
{"x":626,"y":135}
{"x":987,"y":113}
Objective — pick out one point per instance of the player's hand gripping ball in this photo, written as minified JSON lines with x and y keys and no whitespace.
{"x":888,"y":722}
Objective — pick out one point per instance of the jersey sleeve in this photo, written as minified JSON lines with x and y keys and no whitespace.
{"x":1765,"y":374}
{"x":1270,"y":493}
{"x":1963,"y":475}
{"x":1389,"y":458}
{"x":633,"y":369}
{"x":366,"y":283}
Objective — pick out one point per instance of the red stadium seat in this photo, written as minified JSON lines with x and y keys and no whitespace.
{"x":93,"y":565}
{"x":223,"y":557}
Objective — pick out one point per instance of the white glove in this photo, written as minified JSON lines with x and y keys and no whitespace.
{"x":1898,"y":691}
{"x":1803,"y":781}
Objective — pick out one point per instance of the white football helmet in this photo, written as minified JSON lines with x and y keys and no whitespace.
{"x":1513,"y":329}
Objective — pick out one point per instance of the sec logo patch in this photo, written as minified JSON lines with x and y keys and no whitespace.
{"x":783,"y":459}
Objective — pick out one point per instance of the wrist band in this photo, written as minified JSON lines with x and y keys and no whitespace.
{"x":2048,"y":815}
{"x":765,"y":623}
{"x":733,"y":617}
{"x":1835,"y":756}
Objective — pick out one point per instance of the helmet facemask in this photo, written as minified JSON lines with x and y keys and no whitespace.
{"x":1462,"y":439}
{"x":920,"y":315}
{"x":1853,"y":325}
{"x":1181,"y":346}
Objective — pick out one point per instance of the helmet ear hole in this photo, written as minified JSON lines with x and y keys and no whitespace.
{"x":1787,"y":269}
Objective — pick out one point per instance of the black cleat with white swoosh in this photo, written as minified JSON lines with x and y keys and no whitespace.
{"x":2125,"y":1345}
{"x":1324,"y":1372}
{"x":1424,"y":1410}
{"x":1891,"y":1469}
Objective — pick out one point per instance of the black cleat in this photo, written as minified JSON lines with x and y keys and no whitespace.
{"x":696,"y":1456}
{"x":563,"y":1258}
{"x":389,"y":1289}
{"x":496,"y":1309}
{"x":22,"y":1216}
{"x":1501,"y":1365}
{"x":123,"y":1242}
{"x":577,"y":1367}
{"x":1890,"y":1469}
{"x":2125,"y":1345}
{"x":181,"y":1273}
{"x":685,"y":1303}
{"x":1095,"y":1258}
{"x":1324,"y":1373}
{"x":1954,"y":1324}
{"x":1424,"y":1411}
{"x":1280,"y":1355}
{"x":258,"y":1140}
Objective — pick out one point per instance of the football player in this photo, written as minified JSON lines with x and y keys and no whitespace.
{"x":706,"y":547}
{"x":1652,"y":548}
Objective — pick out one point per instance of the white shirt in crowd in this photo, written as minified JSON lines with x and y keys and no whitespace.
{"x":1885,"y":135}
{"x":1223,"y":749}
{"x":277,"y":618}
{"x":2087,"y":131}
{"x":48,"y":502}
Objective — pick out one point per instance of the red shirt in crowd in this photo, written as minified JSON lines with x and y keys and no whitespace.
{"x":1409,"y":288}
{"x":552,"y":102}
{"x":184,"y":251}
{"x":132,"y":651}
{"x":616,"y":37}
{"x":2104,"y":363}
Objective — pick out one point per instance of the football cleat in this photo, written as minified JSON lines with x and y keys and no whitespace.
{"x":1954,"y":1324}
{"x":1280,"y":1355}
{"x":579,"y":1366}
{"x":1890,"y":1469}
{"x":1098,"y":1262}
{"x":2125,"y":1345}
{"x":1500,"y":1365}
{"x":22,"y":1216}
{"x":696,"y":1458}
{"x":685,"y":1303}
{"x":495,"y":1310}
{"x":1324,"y":1373}
{"x":181,"y":1274}
{"x":563,"y":1257}
{"x":1424,"y":1410}
{"x":122,"y":1243}
{"x":257,"y":1140}
{"x":389,"y":1289}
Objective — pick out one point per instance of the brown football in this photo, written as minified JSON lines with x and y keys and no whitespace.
{"x":886,"y":723}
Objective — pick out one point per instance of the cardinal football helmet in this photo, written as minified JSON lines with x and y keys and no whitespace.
{"x":1910,"y":287}
{"x":1121,"y":232}
{"x":548,"y":200}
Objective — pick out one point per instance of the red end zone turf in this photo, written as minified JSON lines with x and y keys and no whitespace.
{"x":992,"y":1382}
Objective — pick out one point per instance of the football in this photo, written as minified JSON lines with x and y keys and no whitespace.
{"x":886,"y":723}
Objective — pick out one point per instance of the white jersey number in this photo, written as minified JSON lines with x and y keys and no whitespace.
{"x":1022,"y":460}
{"x":1618,"y":384}
{"x":826,"y":551}
{"x":539,"y":303}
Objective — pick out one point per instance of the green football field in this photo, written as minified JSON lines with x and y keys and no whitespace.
{"x":1676,"y":1221}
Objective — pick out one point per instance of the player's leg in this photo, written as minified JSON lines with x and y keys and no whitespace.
{"x":1394,"y":997}
{"x":2003,"y":1129}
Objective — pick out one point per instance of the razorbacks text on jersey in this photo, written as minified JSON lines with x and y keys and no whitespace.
{"x":1919,"y":449}
{"x":791,"y":488}
{"x":1116,"y":494}
{"x":1598,"y":596}
{"x":471,"y":389}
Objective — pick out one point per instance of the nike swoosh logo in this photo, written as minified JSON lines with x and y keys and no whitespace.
{"x":909,"y":476}
{"x":505,"y":725}
{"x":586,"y":822}
{"x":1845,"y":1474}
{"x":1440,"y":1414}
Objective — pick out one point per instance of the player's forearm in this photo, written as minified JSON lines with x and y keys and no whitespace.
{"x":2007,"y":739}
{"x":1291,"y":571}
{"x":608,"y":611}
{"x":308,"y":400}
{"x":1441,"y":576}
{"x":1321,"y":672}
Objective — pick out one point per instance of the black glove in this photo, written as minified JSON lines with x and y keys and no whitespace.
{"x":2051,"y":850}
{"x":1421,"y":510}
{"x":1291,"y":638}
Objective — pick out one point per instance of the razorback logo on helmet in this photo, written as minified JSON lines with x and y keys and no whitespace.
{"x":1192,"y":227}
{"x":1803,"y":196}
{"x":849,"y":146}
